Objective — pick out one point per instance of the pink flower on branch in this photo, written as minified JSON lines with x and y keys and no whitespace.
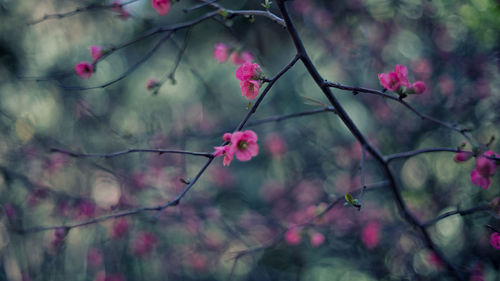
{"x":242,"y":144}
{"x":250,"y":88}
{"x":485,"y":168}
{"x":162,"y":7}
{"x":84,"y":69}
{"x":462,"y":156}
{"x":249,"y":75}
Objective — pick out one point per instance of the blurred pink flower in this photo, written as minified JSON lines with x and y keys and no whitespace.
{"x":485,"y":168}
{"x":435,"y":260}
{"x":495,"y":240}
{"x":238,"y":59}
{"x":118,"y":8}
{"x":370,"y":235}
{"x":292,"y":236}
{"x":84,"y":69}
{"x":120,"y":228}
{"x":95,"y":52}
{"x":86,"y":209}
{"x":317,"y":239}
{"x":152,"y":83}
{"x":94,"y":257}
{"x":275,"y":145}
{"x":144,"y":243}
{"x":162,"y":7}
{"x":221,"y":52}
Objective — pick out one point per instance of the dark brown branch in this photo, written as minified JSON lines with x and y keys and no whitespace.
{"x":405,"y":213}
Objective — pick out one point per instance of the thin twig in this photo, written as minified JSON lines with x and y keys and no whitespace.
{"x":422,"y":116}
{"x":91,"y":7}
{"x":132,"y":150}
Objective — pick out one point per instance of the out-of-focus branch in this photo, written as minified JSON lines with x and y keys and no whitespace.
{"x":91,"y":7}
{"x":412,"y":153}
{"x":278,"y":118}
{"x":132,"y":150}
{"x":457,"y":212}
{"x":230,"y":13}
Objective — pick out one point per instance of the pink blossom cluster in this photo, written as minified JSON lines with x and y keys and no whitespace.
{"x":397,"y":81}
{"x":223,"y":52}
{"x":162,"y":7}
{"x":484,"y":170}
{"x":242,"y":144}
{"x":249,"y":75}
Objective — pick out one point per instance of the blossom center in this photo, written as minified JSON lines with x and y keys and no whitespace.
{"x":242,"y":145}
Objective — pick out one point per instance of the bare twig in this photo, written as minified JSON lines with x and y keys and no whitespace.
{"x":132,"y":150}
{"x":457,"y":212}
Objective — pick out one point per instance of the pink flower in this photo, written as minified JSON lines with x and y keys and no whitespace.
{"x":94,"y":257}
{"x":118,"y":8}
{"x":462,"y":156}
{"x":389,"y":81}
{"x":220,"y":52}
{"x":95,"y":52}
{"x":244,"y":145}
{"x":120,"y":228}
{"x":224,"y":151}
{"x":84,"y":69}
{"x":317,"y":239}
{"x":161,"y":6}
{"x":402,"y":73}
{"x":248,"y":71}
{"x":478,"y":180}
{"x":495,"y":240}
{"x":239,"y":59}
{"x":152,"y":83}
{"x":418,"y":87}
{"x":485,"y":168}
{"x":144,"y":243}
{"x":292,"y":236}
{"x":250,"y":89}
{"x":276,"y":145}
{"x":370,"y":236}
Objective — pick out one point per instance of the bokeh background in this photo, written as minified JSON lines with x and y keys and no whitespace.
{"x":230,"y":226}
